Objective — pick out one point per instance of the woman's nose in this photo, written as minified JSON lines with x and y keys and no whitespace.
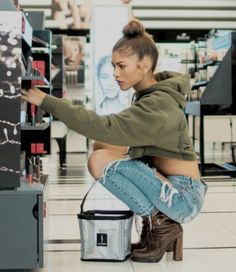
{"x":115,"y":73}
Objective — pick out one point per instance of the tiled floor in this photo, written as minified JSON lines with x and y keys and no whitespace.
{"x":209,"y":241}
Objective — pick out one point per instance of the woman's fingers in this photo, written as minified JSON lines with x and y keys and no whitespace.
{"x":24,"y":94}
{"x":33,"y":95}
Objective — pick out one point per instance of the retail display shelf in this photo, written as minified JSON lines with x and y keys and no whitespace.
{"x":30,"y":78}
{"x":199,"y":84}
{"x":39,"y":41}
{"x":40,"y":50}
{"x":23,"y":195}
{"x":186,"y":61}
{"x":28,"y":126}
{"x":230,"y":166}
{"x":36,"y":186}
{"x":208,"y":63}
{"x":214,"y":169}
{"x":43,"y":86}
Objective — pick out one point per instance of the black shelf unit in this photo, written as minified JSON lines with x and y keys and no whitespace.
{"x":43,"y":38}
{"x":41,"y":132}
{"x":218,"y":98}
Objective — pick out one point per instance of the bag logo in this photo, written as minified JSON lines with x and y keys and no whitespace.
{"x":101,"y":239}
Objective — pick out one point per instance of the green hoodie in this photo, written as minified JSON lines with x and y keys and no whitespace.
{"x":154,"y":125}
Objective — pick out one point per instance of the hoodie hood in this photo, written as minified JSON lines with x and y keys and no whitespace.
{"x":177,"y":85}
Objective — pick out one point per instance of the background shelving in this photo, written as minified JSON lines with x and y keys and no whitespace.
{"x":215,"y":95}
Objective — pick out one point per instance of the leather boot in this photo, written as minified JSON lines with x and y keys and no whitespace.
{"x":143,"y":236}
{"x":165,"y":233}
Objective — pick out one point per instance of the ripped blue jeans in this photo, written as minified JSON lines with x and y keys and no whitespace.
{"x":138,"y":186}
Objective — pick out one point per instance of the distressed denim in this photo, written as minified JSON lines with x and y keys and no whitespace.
{"x":138,"y":186}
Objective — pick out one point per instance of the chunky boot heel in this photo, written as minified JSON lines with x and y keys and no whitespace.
{"x":178,"y":248}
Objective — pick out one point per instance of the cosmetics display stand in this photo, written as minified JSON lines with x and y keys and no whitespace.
{"x":25,"y":60}
{"x":216,"y":98}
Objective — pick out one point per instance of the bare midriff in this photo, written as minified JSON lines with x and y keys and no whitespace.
{"x":172,"y":166}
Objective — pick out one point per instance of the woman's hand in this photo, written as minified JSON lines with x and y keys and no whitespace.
{"x":33,"y":96}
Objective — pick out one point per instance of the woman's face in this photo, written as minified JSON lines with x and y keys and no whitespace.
{"x":126,"y":70}
{"x":107,"y":81}
{"x":74,"y":51}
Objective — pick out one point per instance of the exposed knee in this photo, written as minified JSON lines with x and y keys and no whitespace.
{"x":99,"y":159}
{"x":93,"y":164}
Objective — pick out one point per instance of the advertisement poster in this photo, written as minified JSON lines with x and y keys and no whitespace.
{"x":74,"y":66}
{"x":62,"y":14}
{"x":107,"y":25}
{"x":67,"y":14}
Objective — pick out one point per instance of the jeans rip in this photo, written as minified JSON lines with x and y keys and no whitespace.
{"x":167,"y":194}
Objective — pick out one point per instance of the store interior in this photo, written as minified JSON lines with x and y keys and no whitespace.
{"x":43,"y":163}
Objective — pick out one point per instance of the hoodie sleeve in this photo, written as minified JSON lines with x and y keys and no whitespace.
{"x":138,"y":125}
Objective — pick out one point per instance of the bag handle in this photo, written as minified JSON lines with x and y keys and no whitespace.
{"x":82,"y":203}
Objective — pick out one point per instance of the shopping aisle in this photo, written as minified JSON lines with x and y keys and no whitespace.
{"x":209,"y":241}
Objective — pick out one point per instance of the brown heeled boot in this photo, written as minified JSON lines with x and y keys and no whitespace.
{"x":165,"y":234}
{"x":143,"y":236}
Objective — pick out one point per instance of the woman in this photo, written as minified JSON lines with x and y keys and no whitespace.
{"x":159,"y":177}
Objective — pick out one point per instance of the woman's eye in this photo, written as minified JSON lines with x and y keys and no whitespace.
{"x":122,"y":66}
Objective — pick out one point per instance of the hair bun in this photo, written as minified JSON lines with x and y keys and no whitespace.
{"x":133,"y":29}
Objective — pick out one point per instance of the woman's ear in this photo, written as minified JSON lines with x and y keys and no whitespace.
{"x":145,"y":64}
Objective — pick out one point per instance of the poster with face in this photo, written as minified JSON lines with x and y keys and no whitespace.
{"x":74,"y":66}
{"x":107,"y":95}
{"x":111,"y":98}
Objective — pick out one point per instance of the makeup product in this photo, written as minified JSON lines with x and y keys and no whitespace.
{"x":33,"y":148}
{"x":29,"y":66}
{"x":37,"y":167}
{"x":30,"y":171}
{"x":32,"y":109}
